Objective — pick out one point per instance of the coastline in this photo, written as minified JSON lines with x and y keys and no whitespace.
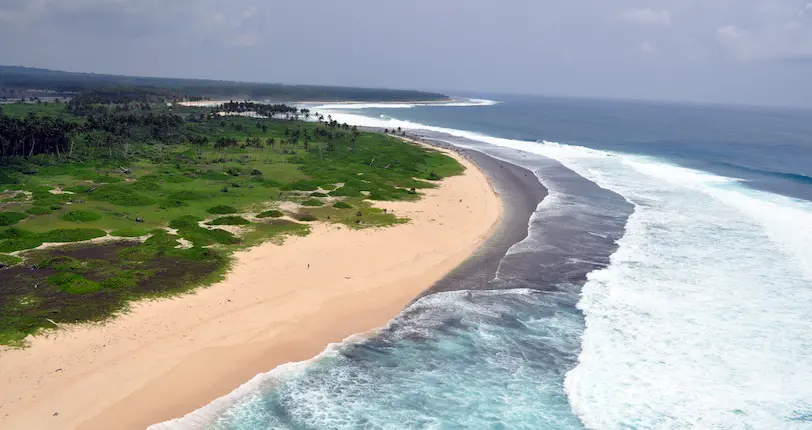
{"x":238,"y":328}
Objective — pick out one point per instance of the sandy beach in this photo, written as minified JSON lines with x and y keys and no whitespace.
{"x":278,"y":304}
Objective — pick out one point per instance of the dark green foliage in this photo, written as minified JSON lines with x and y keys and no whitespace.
{"x":121,"y":195}
{"x":65,"y":235}
{"x":10,"y":218}
{"x":185,"y":221}
{"x":14,"y":239}
{"x":38,"y":210}
{"x":187,"y":195}
{"x":234,"y":171}
{"x":342,"y":205}
{"x":229,"y":220}
{"x":312,"y":203}
{"x":271,"y":214}
{"x":256,"y":172}
{"x":434,"y":177}
{"x":301,"y":186}
{"x":305,"y":216}
{"x":80,"y":216}
{"x":62,"y":263}
{"x":222,"y":210}
{"x":317,"y":194}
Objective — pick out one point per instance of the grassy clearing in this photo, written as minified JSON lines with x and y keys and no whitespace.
{"x":153,"y":186}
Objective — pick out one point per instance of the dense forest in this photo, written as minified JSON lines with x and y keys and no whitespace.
{"x":14,"y":80}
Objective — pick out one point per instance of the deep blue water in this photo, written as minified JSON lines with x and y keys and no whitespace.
{"x":665,"y":283}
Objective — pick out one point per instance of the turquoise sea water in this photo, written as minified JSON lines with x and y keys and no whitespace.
{"x":665,"y":283}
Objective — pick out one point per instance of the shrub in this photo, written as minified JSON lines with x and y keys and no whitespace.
{"x":318,"y":194}
{"x":229,"y":220}
{"x":80,"y":216}
{"x":65,"y":235}
{"x":256,"y":172}
{"x":434,"y":177}
{"x":234,"y":171}
{"x":221,"y":210}
{"x":305,"y":216}
{"x":124,"y":280}
{"x":73,"y":283}
{"x":20,"y":243}
{"x":185,"y":221}
{"x":10,"y":218}
{"x":270,"y":214}
{"x":38,"y":210}
{"x":120,"y":195}
{"x":63,"y":263}
{"x":187,"y":195}
{"x":312,"y":203}
{"x":342,"y":205}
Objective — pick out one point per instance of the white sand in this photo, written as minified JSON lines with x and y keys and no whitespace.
{"x":169,"y":357}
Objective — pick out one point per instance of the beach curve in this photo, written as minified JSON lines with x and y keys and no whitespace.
{"x":169,"y":357}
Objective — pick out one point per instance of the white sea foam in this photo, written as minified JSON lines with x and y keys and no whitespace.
{"x":702,"y":318}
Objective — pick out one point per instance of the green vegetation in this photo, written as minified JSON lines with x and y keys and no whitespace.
{"x":9,"y":260}
{"x":222,"y":210}
{"x":137,"y":169}
{"x":271,"y":214}
{"x":312,"y":202}
{"x":80,"y":216}
{"x":229,"y":220}
{"x":9,"y":218}
{"x":112,"y":88}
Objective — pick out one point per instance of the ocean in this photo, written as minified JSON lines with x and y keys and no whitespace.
{"x":665,"y":282}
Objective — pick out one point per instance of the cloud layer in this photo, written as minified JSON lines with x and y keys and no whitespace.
{"x":752,"y":51}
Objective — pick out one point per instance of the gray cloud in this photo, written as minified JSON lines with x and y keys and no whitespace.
{"x":720,"y":50}
{"x":647,"y":16}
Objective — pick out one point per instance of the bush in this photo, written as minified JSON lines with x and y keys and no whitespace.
{"x":234,"y":171}
{"x":342,"y":205}
{"x":186,"y":221}
{"x":10,"y":218}
{"x":120,"y":195}
{"x":434,"y":177}
{"x":63,"y":263}
{"x":20,"y":243}
{"x":65,"y":235}
{"x":80,"y":216}
{"x":187,"y":195}
{"x":305,"y":216}
{"x":118,"y":282}
{"x":39,"y":210}
{"x":256,"y":172}
{"x":312,"y":203}
{"x":73,"y":283}
{"x":318,"y":194}
{"x":270,"y":214}
{"x":229,"y":220}
{"x":222,"y":210}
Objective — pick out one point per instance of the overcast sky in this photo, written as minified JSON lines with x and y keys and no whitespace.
{"x":733,"y":51}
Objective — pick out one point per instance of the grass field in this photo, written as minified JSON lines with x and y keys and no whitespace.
{"x":172,"y":200}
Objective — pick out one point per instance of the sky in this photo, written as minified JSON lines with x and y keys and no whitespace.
{"x":720,"y":51}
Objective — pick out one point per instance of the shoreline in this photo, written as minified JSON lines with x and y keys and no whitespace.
{"x":239,"y":328}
